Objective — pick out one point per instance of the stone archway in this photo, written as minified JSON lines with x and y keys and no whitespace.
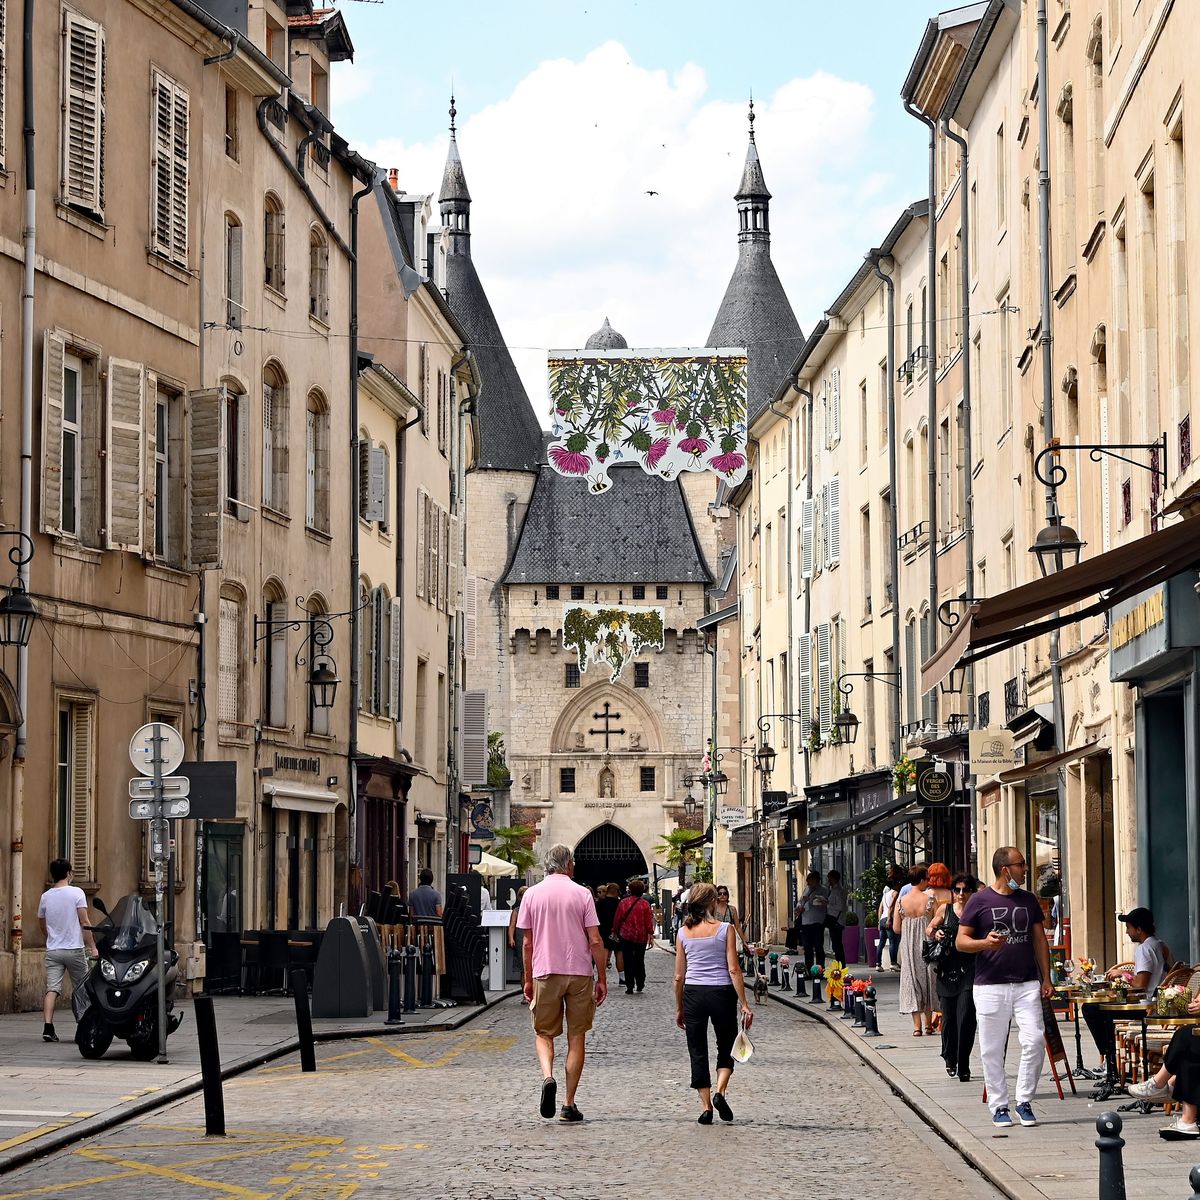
{"x":607,"y":855}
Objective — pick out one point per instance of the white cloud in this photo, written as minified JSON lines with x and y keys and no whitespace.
{"x":564,"y":233}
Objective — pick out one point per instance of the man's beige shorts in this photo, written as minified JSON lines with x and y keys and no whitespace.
{"x":552,"y":994}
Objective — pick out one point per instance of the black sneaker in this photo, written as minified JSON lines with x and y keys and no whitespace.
{"x":569,"y":1113}
{"x":48,"y":1034}
{"x":722,"y":1107}
{"x":549,"y":1094}
{"x":705,"y":1118}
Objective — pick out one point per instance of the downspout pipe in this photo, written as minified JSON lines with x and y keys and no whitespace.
{"x":28,"y":279}
{"x":1045,"y":343}
{"x":875,"y":258}
{"x":968,"y":461}
{"x":808,"y":494}
{"x":931,"y":406}
{"x":791,"y":640}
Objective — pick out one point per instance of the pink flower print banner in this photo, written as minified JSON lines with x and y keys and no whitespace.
{"x":666,"y":410}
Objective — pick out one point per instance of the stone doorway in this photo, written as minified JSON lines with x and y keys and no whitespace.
{"x":607,"y":855}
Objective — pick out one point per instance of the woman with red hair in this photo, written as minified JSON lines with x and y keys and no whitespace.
{"x":938,"y":881}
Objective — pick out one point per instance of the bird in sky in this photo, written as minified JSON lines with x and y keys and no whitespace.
{"x":651,"y":193}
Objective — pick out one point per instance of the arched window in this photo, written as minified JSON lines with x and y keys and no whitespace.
{"x":316,"y":463}
{"x":366,"y":645}
{"x":230,"y":657}
{"x":275,"y":439}
{"x":235,"y":416}
{"x":381,"y":623}
{"x":274,"y":256}
{"x":234,"y":283}
{"x":275,"y":657}
{"x":318,"y":276}
{"x":386,"y":520}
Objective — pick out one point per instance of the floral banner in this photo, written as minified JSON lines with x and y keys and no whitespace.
{"x":667,"y":410}
{"x":611,"y":633}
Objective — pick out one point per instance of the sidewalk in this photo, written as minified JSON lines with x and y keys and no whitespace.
{"x":1055,"y":1161}
{"x":50,"y":1096}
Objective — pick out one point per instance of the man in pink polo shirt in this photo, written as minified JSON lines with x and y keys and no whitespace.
{"x":562,"y":946}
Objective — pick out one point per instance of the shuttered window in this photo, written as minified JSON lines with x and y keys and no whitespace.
{"x":396,"y":649}
{"x":125,"y":443}
{"x":206,"y":477}
{"x":318,"y":277}
{"x":316,"y":464}
{"x":170,"y":138}
{"x":454,"y":597}
{"x":470,"y":616}
{"x":381,"y":623}
{"x":83,"y":88}
{"x":422,"y":506}
{"x":808,"y":510}
{"x":423,"y":385}
{"x":474,"y":762}
{"x":831,"y":495}
{"x":824,"y":678}
{"x":275,"y":442}
{"x":234,"y":283}
{"x":362,"y":641}
{"x":236,"y":440}
{"x":275,"y":660}
{"x":75,"y":785}
{"x":804,"y":659}
{"x":229,"y":667}
{"x":274,"y":246}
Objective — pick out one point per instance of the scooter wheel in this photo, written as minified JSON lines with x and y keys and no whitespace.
{"x":143,"y":1051}
{"x":93,"y":1036}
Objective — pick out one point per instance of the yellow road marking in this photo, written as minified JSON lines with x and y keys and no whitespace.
{"x":320,"y":1191}
{"x":178,"y":1176}
{"x":30,"y":1134}
{"x":267,"y":1135}
{"x":58,"y":1188}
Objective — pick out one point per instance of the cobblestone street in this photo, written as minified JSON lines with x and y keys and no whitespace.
{"x":453,"y":1116}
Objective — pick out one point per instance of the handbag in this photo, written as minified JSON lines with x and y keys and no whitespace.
{"x":743,"y":1047}
{"x":933,"y":951}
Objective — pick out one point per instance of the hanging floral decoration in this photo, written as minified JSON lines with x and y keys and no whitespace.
{"x":904,"y":774}
{"x":667,"y":410}
{"x":612,"y":633}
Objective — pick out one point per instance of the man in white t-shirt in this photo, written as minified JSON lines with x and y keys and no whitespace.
{"x":1150,"y":957}
{"x":62,"y":914}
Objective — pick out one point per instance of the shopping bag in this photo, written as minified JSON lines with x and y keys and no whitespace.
{"x":743,"y":1047}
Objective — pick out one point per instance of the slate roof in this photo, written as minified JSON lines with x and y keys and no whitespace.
{"x":606,"y":338}
{"x":639,"y":531}
{"x":454,"y":179}
{"x":753,"y":185}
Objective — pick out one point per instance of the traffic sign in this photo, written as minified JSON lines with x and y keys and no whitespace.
{"x":145,"y":810}
{"x":142,"y":788}
{"x":156,"y":736}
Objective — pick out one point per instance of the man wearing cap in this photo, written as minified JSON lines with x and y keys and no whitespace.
{"x":1149,"y":964}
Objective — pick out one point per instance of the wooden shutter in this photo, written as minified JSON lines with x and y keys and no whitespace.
{"x":394,"y":661}
{"x":375,"y":508}
{"x":229,"y":654}
{"x":149,"y":455}
{"x":804,"y":659}
{"x":233,"y":269}
{"x":310,"y":467}
{"x":422,"y":504}
{"x":54,"y":350}
{"x":454,"y":598}
{"x":808,"y":510}
{"x":170,"y":139}
{"x":474,"y":739}
{"x":833,"y":522}
{"x":82,"y":796}
{"x":364,"y":476}
{"x":444,"y":567}
{"x":824,"y":678}
{"x":383,"y":650}
{"x":125,"y":444}
{"x":268,"y":446}
{"x":835,"y":406}
{"x":83,"y":70}
{"x":432,"y":543}
{"x":470,"y":617}
{"x":207,"y":487}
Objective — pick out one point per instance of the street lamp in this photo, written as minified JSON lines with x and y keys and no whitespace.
{"x":17,"y":612}
{"x":719,"y":782}
{"x":689,"y":806}
{"x":1056,"y":546}
{"x":323,"y":682}
{"x":955,"y":681}
{"x":765,"y":758}
{"x":846,"y":724}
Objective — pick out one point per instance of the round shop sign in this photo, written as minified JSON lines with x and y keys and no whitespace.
{"x":935,"y":786}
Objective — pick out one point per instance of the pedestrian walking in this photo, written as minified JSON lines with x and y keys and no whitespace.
{"x":62,"y":914}
{"x":562,"y":946}
{"x":633,"y":927}
{"x":1002,"y":926}
{"x":516,"y":937}
{"x":955,"y":973}
{"x":918,"y":985}
{"x":709,"y":988}
{"x":727,"y":914}
{"x":812,"y":919}
{"x":835,"y":907}
{"x":425,"y":900}
{"x":887,"y":912}
{"x":608,"y":897}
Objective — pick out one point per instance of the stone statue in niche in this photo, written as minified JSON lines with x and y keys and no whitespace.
{"x":527,"y":781}
{"x":579,"y":743}
{"x":607,"y":784}
{"x":635,"y":741}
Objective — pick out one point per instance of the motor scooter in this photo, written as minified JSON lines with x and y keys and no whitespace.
{"x":119,"y":997}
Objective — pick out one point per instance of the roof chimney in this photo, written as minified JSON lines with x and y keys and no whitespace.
{"x":394,"y":178}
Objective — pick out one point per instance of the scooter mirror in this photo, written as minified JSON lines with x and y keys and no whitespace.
{"x":99,"y":905}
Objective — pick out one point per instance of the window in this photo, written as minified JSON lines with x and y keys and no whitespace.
{"x":318,"y":276}
{"x":82,"y":135}
{"x":552,"y":591}
{"x":572,"y":675}
{"x":274,"y":246}
{"x":76,"y":767}
{"x":908,"y":336}
{"x":577,"y":591}
{"x":442,"y":406}
{"x":3,"y":74}
{"x":316,"y":463}
{"x":641,"y":674}
{"x":1177,"y":284}
{"x":639,"y":591}
{"x":419,"y":734}
{"x":373,"y":479}
{"x":385,"y":470}
{"x":831,"y":513}
{"x":169,"y":171}
{"x":441,"y":724}
{"x":229,"y":667}
{"x":883,"y":404}
{"x":275,"y":659}
{"x":166,"y":498}
{"x":646,"y":781}
{"x":660,"y":591}
{"x":973,"y":240}
{"x":862,"y":422}
{"x":1064,"y":191}
{"x":275,"y":440}
{"x":232,"y":146}
{"x":379,"y":682}
{"x":423,"y":385}
{"x":945,"y":517}
{"x":865,"y":553}
{"x":236,"y":462}
{"x":162,"y":505}
{"x":318,"y":718}
{"x":363,"y":642}
{"x":235,"y":309}
{"x":72,"y":437}
{"x":566,"y":779}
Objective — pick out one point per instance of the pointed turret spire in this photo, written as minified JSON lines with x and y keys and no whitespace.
{"x":753,"y":198}
{"x":454,"y":200}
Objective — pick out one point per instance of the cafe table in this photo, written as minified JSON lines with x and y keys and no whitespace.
{"x":1076,"y":996}
{"x":1144,"y":1106}
{"x":1137,"y":1010}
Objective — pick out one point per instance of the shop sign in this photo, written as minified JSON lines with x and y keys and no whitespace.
{"x":731,"y":816}
{"x":1146,"y":630}
{"x":744,"y":838}
{"x":772,"y":802}
{"x":301,"y":764}
{"x":992,"y":750}
{"x":935,"y":785}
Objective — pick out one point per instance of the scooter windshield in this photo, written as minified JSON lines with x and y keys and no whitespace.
{"x":130,"y":926}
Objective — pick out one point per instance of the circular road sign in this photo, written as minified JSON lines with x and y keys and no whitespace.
{"x":170,"y":748}
{"x":935,"y":786}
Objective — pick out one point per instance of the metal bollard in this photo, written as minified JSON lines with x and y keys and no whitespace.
{"x":800,"y":983}
{"x":817,"y":998}
{"x":210,"y":1067}
{"x":847,"y":1002}
{"x":785,"y":976}
{"x":774,"y":959}
{"x":860,"y":1012}
{"x":871,"y":1013}
{"x":410,"y":978}
{"x":426,"y":1000}
{"x":1112,"y":1169}
{"x":833,"y":1002}
{"x":1194,"y":1180}
{"x":395,"y":970}
{"x":308,"y":1053}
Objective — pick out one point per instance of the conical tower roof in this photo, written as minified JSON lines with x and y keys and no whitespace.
{"x":454,"y":180}
{"x":606,"y":338}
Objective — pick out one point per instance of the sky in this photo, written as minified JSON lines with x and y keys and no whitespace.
{"x":570,"y":112}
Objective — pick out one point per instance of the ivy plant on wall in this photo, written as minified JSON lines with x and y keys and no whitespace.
{"x":668,"y":411}
{"x":611,"y":633}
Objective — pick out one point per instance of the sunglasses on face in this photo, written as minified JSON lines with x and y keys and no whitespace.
{"x":960,"y":888}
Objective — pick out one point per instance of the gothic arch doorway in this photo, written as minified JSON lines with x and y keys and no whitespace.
{"x":607,"y":855}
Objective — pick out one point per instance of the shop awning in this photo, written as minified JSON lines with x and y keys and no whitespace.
{"x":300,"y":797}
{"x":896,"y":813}
{"x":992,"y":625}
{"x":1044,"y":766}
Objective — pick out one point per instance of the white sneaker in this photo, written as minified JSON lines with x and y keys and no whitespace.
{"x":1180,"y":1131}
{"x":1149,"y":1090}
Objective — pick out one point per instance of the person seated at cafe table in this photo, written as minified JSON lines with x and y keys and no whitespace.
{"x":1178,"y":1078}
{"x":1149,"y":963}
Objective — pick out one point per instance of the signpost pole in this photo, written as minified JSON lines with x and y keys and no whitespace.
{"x":160,"y":946}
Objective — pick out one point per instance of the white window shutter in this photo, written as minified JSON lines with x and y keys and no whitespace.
{"x":243,"y":511}
{"x":161,"y":130}
{"x":381,"y":684}
{"x":804,"y":656}
{"x":268,"y":446}
{"x":310,"y":466}
{"x":824,"y":679}
{"x":470,"y":616}
{"x":124,"y":414}
{"x":364,"y":476}
{"x":82,"y":800}
{"x":83,"y":70}
{"x":422,"y":505}
{"x":835,"y":408}
{"x":207,"y":487}
{"x":233,"y":267}
{"x":149,"y":454}
{"x":376,"y":480}
{"x":53,"y":356}
{"x":424,"y":379}
{"x":444,"y":570}
{"x":808,"y":510}
{"x":474,"y":740}
{"x":432,"y":538}
{"x":833,"y":522}
{"x":394,"y":661}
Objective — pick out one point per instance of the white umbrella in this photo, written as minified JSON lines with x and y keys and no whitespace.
{"x":489,"y":864}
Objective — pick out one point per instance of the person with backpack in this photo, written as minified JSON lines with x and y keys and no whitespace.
{"x":633,"y":927}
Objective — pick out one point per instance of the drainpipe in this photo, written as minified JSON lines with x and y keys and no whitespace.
{"x":968,"y":462}
{"x":931,"y":406}
{"x":791,"y":641}
{"x":29,"y":243}
{"x":1045,"y":342}
{"x":875,"y":258}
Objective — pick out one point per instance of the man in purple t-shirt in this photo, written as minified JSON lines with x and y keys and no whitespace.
{"x":1002,"y":924}
{"x":562,"y":946}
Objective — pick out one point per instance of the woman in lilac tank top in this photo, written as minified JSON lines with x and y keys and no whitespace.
{"x":708,"y":987}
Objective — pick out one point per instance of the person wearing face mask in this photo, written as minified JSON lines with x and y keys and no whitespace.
{"x":1002,"y":925}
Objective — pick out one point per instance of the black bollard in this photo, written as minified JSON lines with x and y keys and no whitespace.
{"x":860,"y":1012}
{"x":871,"y":1016}
{"x":1194,"y":1180}
{"x":833,"y":1003}
{"x":410,"y":978}
{"x":774,"y":980}
{"x":210,"y":1067}
{"x":308,"y":1053}
{"x":847,"y":1003}
{"x":426,"y":1000}
{"x":395,"y":970}
{"x":817,"y":998}
{"x":800,"y":982}
{"x":1112,"y":1169}
{"x":785,"y":977}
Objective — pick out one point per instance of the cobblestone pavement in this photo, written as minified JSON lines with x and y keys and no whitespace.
{"x":453,"y":1116}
